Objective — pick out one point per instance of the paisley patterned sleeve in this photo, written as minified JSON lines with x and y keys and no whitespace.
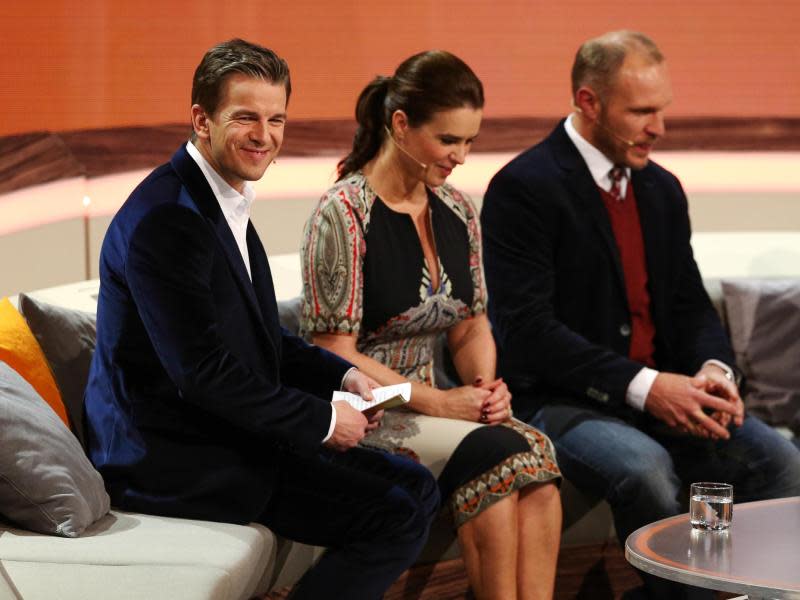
{"x":467,"y":211}
{"x":332,"y":254}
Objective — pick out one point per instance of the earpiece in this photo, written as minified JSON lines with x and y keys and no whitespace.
{"x":421,"y":164}
{"x":626,"y":141}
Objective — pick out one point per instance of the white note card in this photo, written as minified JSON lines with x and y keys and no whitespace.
{"x":388,"y":396}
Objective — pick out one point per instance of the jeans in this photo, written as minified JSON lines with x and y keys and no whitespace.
{"x":644,"y":473}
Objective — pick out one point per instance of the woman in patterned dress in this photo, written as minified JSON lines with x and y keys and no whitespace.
{"x":391,"y":260}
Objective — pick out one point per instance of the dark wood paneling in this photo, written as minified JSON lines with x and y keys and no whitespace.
{"x":40,"y":157}
{"x":35,"y":158}
{"x":106,"y":151}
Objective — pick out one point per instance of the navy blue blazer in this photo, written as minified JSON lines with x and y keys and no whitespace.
{"x":557,"y":298}
{"x":196,"y":395}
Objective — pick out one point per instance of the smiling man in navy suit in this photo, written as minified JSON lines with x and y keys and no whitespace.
{"x":607,"y":338}
{"x":199,"y":404}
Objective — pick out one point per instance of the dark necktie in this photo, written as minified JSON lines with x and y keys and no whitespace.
{"x":616,"y":174}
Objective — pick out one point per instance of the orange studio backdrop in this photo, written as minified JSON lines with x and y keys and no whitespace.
{"x":67,"y":65}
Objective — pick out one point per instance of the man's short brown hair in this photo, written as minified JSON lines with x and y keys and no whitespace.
{"x":598,"y":60}
{"x":235,"y":56}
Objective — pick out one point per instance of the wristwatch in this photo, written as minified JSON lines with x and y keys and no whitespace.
{"x":734,"y":377}
{"x":731,"y":375}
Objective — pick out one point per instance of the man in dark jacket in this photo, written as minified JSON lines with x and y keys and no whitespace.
{"x":607,"y":338}
{"x":199,"y":404}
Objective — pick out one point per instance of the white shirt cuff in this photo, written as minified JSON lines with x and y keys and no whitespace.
{"x":332,"y":425}
{"x":639,"y":387}
{"x":350,"y":370}
{"x":721,"y":365}
{"x":333,"y":408}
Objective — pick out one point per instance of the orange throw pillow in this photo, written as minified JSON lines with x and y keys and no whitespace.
{"x":20,"y":351}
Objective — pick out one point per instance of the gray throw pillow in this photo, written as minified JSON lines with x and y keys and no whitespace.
{"x":46,"y":482}
{"x":67,"y":338}
{"x":764,"y":323}
{"x":289,"y":314}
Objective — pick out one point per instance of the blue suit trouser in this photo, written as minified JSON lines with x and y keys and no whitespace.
{"x":371,"y":510}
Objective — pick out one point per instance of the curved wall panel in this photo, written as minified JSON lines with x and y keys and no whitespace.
{"x":98,"y":64}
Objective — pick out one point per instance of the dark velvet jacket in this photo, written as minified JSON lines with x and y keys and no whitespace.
{"x":557,"y":298}
{"x":196,"y":396}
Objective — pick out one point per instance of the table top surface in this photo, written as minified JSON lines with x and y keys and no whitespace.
{"x":759,"y":555}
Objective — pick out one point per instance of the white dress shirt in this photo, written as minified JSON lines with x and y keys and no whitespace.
{"x":599,"y":164}
{"x":600,"y":167}
{"x":236,"y":209}
{"x":235,"y":206}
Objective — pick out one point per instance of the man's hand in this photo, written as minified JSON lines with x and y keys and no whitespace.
{"x":716,"y":384}
{"x":373,"y":418}
{"x":350,"y":429}
{"x":678,"y":401}
{"x":358,"y":383}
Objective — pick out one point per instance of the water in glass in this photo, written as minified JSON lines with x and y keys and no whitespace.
{"x":710,"y":512}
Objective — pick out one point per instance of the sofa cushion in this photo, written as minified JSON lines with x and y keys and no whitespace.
{"x":764,"y":323}
{"x":289,"y":312}
{"x":19,"y":349}
{"x":69,"y":581}
{"x":46,"y":482}
{"x":67,"y":338}
{"x":242,"y":553}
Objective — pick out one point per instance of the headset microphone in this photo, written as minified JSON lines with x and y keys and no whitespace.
{"x":421,"y":164}
{"x":625,"y":141}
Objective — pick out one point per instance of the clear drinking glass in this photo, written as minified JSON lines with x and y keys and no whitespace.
{"x":711,"y":506}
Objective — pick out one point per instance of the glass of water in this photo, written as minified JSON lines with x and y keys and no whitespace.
{"x":711,"y":506}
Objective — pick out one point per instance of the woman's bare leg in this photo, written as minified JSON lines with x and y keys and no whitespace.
{"x":539,"y":518}
{"x":489,"y":544}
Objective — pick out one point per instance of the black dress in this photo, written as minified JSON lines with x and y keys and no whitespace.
{"x":365,"y":274}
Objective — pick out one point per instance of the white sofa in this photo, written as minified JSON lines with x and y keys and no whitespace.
{"x":126,"y":555}
{"x":129,"y":555}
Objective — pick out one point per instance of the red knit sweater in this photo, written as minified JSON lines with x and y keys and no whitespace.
{"x":627,"y":229}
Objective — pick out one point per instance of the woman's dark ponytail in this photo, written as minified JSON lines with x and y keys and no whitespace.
{"x":422,"y":85}
{"x":371,"y":119}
